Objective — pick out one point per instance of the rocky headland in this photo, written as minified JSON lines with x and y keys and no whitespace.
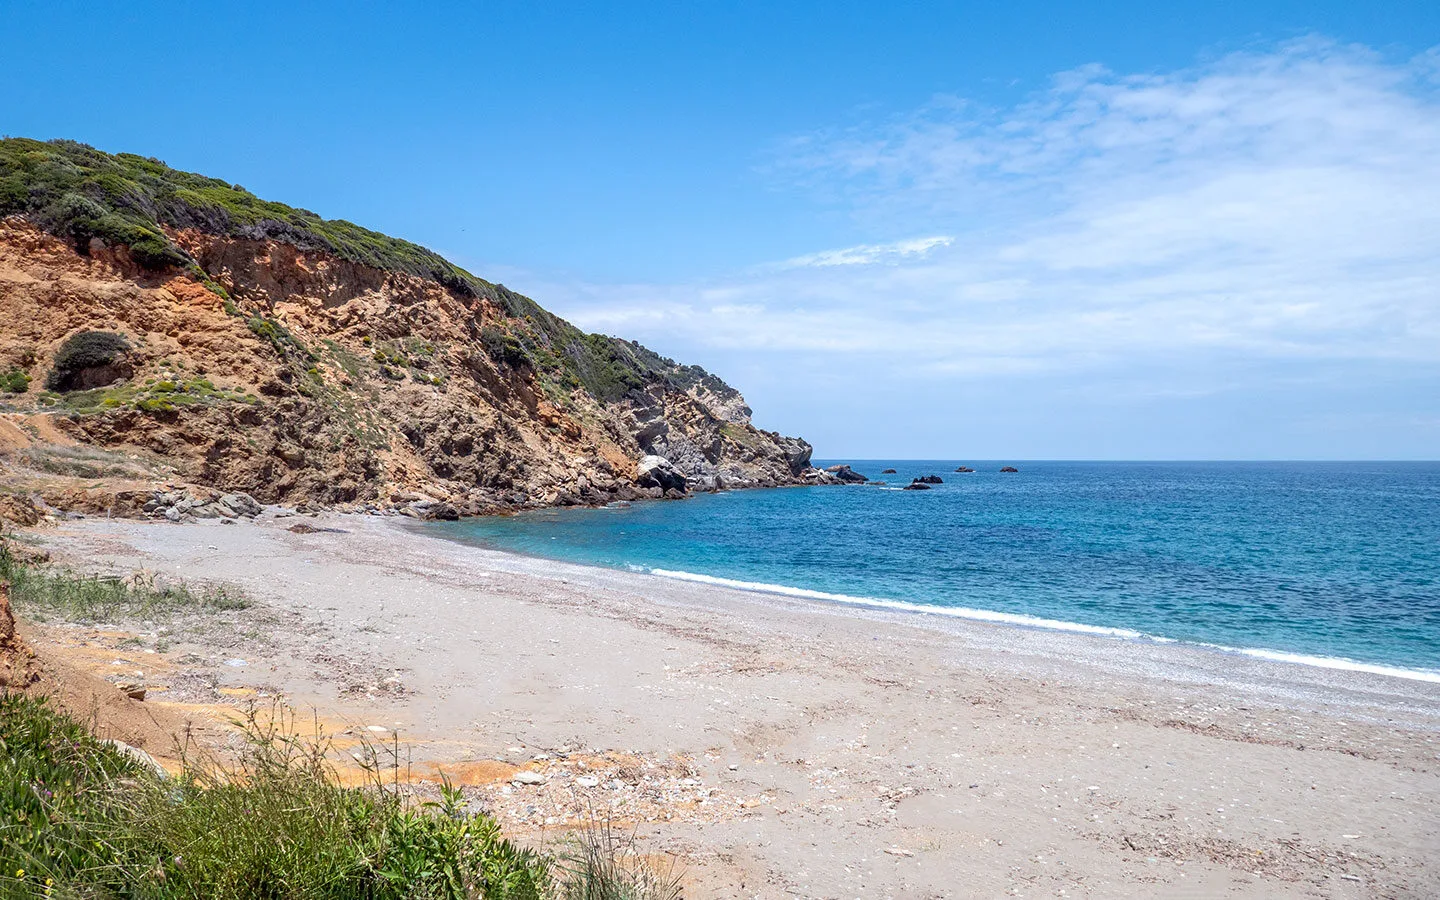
{"x":170,"y":339}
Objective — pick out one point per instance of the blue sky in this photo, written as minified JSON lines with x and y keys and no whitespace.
{"x":934,"y":230}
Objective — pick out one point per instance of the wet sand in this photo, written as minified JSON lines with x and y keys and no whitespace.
{"x":792,"y":748}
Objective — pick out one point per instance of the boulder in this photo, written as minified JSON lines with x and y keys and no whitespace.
{"x":963,"y":469}
{"x":929,"y":479}
{"x":887,"y":471}
{"x":657,"y":472}
{"x":846,"y":475}
{"x":241,"y":505}
{"x":1008,"y":469}
{"x":916,"y":486}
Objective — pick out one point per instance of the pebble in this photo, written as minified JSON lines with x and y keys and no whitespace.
{"x":525,"y":776}
{"x":587,"y":781}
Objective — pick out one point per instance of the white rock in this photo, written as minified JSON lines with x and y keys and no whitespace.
{"x":587,"y":781}
{"x":525,"y":776}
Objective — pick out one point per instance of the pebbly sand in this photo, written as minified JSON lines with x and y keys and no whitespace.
{"x":792,"y":748}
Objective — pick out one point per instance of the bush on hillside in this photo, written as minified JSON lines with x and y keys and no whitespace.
{"x":84,"y":350}
{"x":16,"y":381}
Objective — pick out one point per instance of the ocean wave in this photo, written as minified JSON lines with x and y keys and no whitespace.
{"x":959,"y":612}
{"x":1333,"y":662}
{"x":985,"y":615}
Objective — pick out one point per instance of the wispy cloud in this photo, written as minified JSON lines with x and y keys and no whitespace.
{"x":1280,"y":205}
{"x":1283,"y":203}
{"x":869,"y":254}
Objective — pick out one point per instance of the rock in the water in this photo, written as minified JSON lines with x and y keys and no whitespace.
{"x":929,"y":479}
{"x":1008,"y":469}
{"x":887,"y":471}
{"x":916,"y":486}
{"x":657,"y":472}
{"x":846,"y":475}
{"x":963,"y":469}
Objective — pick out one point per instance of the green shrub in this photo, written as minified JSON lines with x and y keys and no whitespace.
{"x":85,"y":350}
{"x":16,"y":381}
{"x":503,"y":347}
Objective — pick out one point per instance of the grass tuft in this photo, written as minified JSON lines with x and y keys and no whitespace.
{"x":53,"y":591}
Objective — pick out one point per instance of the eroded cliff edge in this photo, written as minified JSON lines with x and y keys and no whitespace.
{"x":271,"y":352}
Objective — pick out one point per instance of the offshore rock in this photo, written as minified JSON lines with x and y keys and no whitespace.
{"x":846,"y":475}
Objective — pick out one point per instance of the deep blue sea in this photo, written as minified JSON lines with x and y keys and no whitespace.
{"x":1314,"y":562}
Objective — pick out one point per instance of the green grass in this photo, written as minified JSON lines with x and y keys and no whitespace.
{"x":80,"y":820}
{"x":50,"y":591}
{"x":151,"y":397}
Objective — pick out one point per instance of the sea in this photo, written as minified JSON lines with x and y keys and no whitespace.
{"x":1333,"y":564}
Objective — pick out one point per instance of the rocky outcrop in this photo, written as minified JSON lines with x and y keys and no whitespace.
{"x":1008,"y":469}
{"x":657,"y":472}
{"x":846,"y":475}
{"x":292,"y":376}
{"x":929,"y":479}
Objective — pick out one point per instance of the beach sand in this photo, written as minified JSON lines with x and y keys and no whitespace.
{"x":778,"y":747}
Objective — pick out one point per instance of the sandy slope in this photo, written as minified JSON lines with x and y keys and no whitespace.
{"x":786,"y":748}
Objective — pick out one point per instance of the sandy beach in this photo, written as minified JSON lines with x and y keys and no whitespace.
{"x":777,"y":747}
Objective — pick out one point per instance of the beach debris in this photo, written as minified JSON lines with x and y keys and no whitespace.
{"x":135,"y":690}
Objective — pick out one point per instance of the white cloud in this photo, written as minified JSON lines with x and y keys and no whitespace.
{"x":869,"y":254}
{"x":1282,"y":205}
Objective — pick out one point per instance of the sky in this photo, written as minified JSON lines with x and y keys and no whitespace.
{"x":910,"y":230}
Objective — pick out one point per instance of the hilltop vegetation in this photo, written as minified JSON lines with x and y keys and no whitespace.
{"x":79,"y":193}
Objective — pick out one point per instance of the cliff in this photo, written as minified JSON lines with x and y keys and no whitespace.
{"x":249,"y":346}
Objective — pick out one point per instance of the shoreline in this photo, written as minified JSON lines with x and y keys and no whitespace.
{"x":791,"y":747}
{"x":964,"y":613}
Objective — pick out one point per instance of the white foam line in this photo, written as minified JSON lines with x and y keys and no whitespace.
{"x":1334,"y":662}
{"x":985,"y":615}
{"x":959,"y":612}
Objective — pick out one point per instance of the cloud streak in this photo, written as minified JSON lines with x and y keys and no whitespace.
{"x":1265,"y":207}
{"x":1283,"y":203}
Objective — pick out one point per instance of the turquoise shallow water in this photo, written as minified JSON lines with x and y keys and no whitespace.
{"x":1325,"y":562}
